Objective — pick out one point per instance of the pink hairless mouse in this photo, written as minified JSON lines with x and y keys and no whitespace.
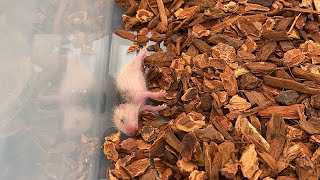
{"x":131,"y":83}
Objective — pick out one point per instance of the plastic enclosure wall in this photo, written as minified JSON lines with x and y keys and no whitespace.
{"x":55,"y":104}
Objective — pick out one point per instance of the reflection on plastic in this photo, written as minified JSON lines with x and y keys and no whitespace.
{"x":77,"y":85}
{"x":54,"y":58}
{"x":50,"y":66}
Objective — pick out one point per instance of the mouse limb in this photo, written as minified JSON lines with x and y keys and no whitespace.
{"x":139,"y":59}
{"x":152,"y":95}
{"x":154,"y":108}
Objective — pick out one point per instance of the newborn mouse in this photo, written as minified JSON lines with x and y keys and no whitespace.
{"x":131,"y":83}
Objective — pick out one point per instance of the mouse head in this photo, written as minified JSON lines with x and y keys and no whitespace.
{"x":125,"y":118}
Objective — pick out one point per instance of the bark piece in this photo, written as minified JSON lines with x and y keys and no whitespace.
{"x":149,"y":133}
{"x":294,"y":133}
{"x":288,"y":97}
{"x":266,"y":51}
{"x":245,"y":128}
{"x":207,"y":160}
{"x":290,"y":152}
{"x":229,"y":81}
{"x":186,"y":167}
{"x":293,"y":57}
{"x":286,"y":45}
{"x":110,"y":151}
{"x":249,"y":81}
{"x":269,"y":160}
{"x":184,"y":13}
{"x":276,"y":133}
{"x":248,"y":27}
{"x":144,"y":15}
{"x":190,"y":94}
{"x":129,"y":144}
{"x":201,"y":45}
{"x":266,"y":3}
{"x":162,"y":168}
{"x":311,"y":126}
{"x":261,"y":68}
{"x":209,"y":134}
{"x":157,"y":147}
{"x":276,"y":35}
{"x":187,"y":123}
{"x":225,"y":52}
{"x":237,"y":103}
{"x":142,"y":40}
{"x":315,"y":101}
{"x":255,"y":97}
{"x":249,"y":162}
{"x":218,"y":27}
{"x":173,"y":141}
{"x":289,"y":84}
{"x":138,"y":167}
{"x":197,"y":175}
{"x":255,"y":7}
{"x":199,"y":31}
{"x":133,"y":47}
{"x":150,"y":174}
{"x":188,"y":143}
{"x":287,"y":112}
{"x":306,"y":75}
{"x":316,"y":158}
{"x":162,"y":12}
{"x":224,"y":39}
{"x":305,"y":168}
{"x":230,"y":169}
{"x":311,"y":27}
{"x":126,"y":35}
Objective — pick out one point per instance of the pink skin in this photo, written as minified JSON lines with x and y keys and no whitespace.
{"x":153,"y":95}
{"x":126,"y":115}
{"x":130,"y":126}
{"x":154,"y":108}
{"x":131,"y":80}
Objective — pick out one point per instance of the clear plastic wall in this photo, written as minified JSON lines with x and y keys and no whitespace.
{"x":58,"y":59}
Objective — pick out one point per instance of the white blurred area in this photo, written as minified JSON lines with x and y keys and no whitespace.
{"x":55,"y":86}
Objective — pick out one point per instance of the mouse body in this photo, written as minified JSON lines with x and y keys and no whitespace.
{"x":131,"y":83}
